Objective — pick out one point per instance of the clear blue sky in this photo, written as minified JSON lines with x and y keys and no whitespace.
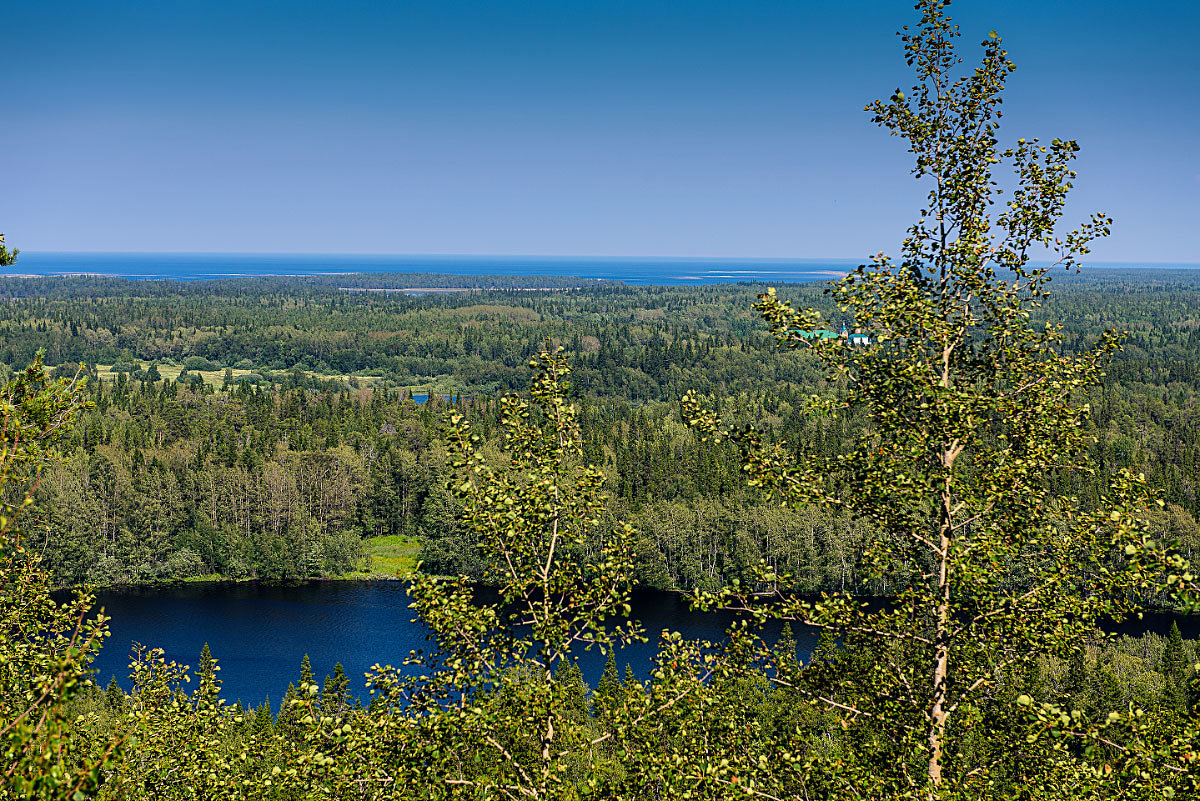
{"x":623,"y":127}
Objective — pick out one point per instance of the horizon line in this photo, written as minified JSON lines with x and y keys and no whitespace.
{"x":390,"y":254}
{"x":543,"y":256}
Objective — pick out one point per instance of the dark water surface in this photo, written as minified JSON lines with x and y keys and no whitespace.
{"x":260,"y":632}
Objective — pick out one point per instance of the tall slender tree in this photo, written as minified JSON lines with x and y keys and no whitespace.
{"x":970,"y":410}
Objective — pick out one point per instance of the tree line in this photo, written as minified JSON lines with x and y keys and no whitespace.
{"x":286,"y":474}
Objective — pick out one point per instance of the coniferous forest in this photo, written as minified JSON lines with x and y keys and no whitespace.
{"x":962,"y":505}
{"x":285,"y":469}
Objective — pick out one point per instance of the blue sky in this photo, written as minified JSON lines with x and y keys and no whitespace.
{"x":638,"y":127}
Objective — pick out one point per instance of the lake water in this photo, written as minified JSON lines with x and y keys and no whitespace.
{"x":260,"y":632}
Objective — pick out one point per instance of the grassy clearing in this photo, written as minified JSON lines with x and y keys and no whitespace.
{"x":207,"y":578}
{"x":217,"y":377}
{"x":439,"y":385}
{"x":392,"y":556}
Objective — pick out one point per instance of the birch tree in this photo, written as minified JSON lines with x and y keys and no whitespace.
{"x":971,"y":409}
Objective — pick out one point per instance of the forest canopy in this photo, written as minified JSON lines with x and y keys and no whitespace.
{"x":974,"y":462}
{"x":225,"y":464}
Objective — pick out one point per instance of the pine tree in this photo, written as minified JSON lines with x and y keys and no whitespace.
{"x":1175,"y":670}
{"x":630,"y":684}
{"x":572,"y":691}
{"x":288,"y":719}
{"x":262,"y":717}
{"x":335,"y":699}
{"x":1076,"y":681}
{"x":114,"y":697}
{"x":1105,"y":692}
{"x":786,"y":663}
{"x":306,"y":674}
{"x":209,"y":686}
{"x":608,"y":689}
{"x":239,"y":710}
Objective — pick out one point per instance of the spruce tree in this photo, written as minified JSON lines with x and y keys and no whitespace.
{"x":608,"y":689}
{"x":574,"y":691}
{"x":1076,"y":680}
{"x":1176,"y":671}
{"x":335,"y":698}
{"x":288,"y":718}
{"x":114,"y":697}
{"x":306,"y":674}
{"x":785,"y":651}
{"x":208,"y":685}
{"x":263,"y":719}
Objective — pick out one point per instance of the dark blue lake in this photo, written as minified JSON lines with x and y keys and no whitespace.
{"x":260,"y":632}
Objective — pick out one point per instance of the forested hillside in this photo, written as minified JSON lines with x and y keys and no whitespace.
{"x":288,"y":435}
{"x":710,"y":718}
{"x":991,"y":462}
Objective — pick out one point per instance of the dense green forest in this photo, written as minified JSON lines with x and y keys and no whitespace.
{"x":172,"y":735}
{"x":992,"y":462}
{"x":288,"y":435}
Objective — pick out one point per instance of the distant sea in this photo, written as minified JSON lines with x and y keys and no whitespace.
{"x":198,"y":266}
{"x":631,"y":270}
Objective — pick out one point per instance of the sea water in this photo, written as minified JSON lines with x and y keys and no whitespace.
{"x":195,"y":266}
